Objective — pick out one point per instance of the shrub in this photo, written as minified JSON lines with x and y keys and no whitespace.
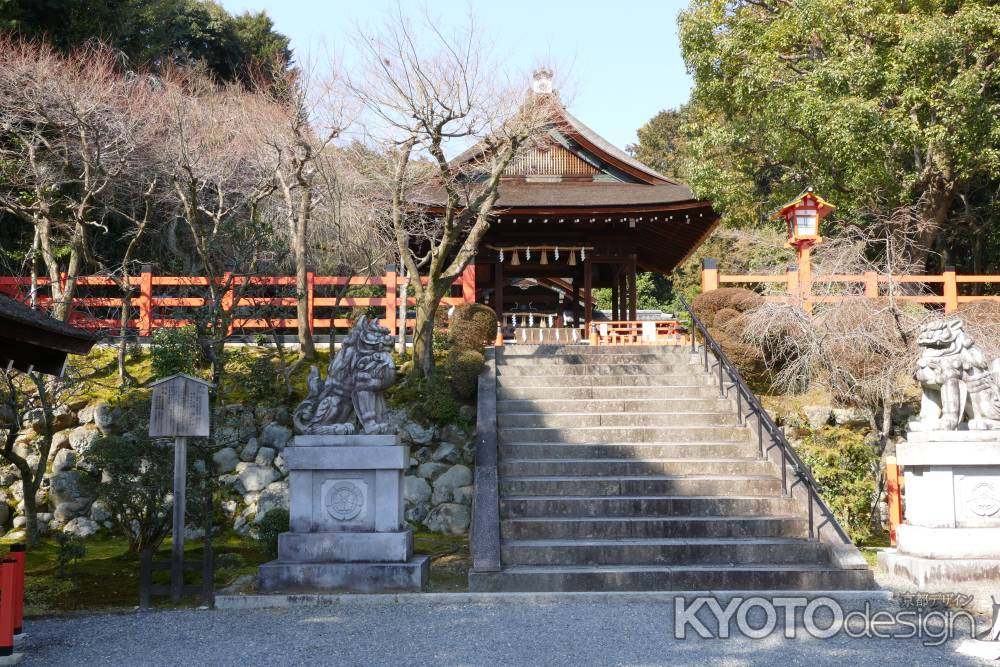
{"x":439,"y":403}
{"x":472,"y":326}
{"x":708,"y":304}
{"x":464,"y":367}
{"x":254,"y":374}
{"x":174,"y":350}
{"x":845,"y":466}
{"x":69,"y":549}
{"x":271,"y":525}
{"x":722,"y":311}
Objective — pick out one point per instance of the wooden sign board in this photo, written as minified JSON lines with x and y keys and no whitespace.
{"x":179,"y":407}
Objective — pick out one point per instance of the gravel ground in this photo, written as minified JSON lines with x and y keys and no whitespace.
{"x":572,"y":633}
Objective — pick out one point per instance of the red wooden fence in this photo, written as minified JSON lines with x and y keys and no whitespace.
{"x":160,"y":301}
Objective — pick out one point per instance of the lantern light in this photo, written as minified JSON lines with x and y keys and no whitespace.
{"x":802,"y":218}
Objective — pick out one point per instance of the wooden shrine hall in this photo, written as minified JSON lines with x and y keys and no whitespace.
{"x":577,"y":214}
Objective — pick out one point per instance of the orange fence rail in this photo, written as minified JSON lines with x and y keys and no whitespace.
{"x":255,"y":303}
{"x":799,"y":285}
{"x":638,"y":332}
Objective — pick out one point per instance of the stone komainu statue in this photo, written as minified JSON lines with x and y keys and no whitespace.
{"x":954,"y":376}
{"x":355,"y":380}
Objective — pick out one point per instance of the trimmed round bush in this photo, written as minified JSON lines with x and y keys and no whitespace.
{"x":472,"y":326}
{"x":464,"y":367}
{"x":708,"y":304}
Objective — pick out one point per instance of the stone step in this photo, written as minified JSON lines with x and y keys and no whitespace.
{"x":624,"y":434}
{"x":639,"y":379}
{"x":584,"y":359}
{"x":627,"y":419}
{"x":665,"y":404}
{"x":546,"y":351}
{"x":515,"y":391}
{"x":645,"y":485}
{"x":721,"y":552}
{"x":644,"y":527}
{"x":543,"y":369}
{"x":513,"y":507}
{"x":698,"y":450}
{"x":527,"y":578}
{"x":634,"y":468}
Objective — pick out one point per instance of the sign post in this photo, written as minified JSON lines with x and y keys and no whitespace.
{"x":179,"y":410}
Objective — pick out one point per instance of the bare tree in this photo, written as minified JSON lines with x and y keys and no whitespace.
{"x":68,"y":134}
{"x":427,"y":93}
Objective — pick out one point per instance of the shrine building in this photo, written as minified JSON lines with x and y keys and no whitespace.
{"x":577,"y":214}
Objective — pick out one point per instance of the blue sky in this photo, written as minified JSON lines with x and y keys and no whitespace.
{"x":622,"y":57}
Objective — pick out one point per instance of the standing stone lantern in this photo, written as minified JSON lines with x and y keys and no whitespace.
{"x":951,"y":466}
{"x":347,"y":531}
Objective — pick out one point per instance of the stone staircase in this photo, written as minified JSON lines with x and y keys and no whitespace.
{"x":621,"y":469}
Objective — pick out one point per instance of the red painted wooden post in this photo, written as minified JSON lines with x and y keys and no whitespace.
{"x":950,"y":290}
{"x":146,"y":301}
{"x":18,"y":554}
{"x":391,"y":297}
{"x":310,"y":298}
{"x":227,"y":299}
{"x":8,"y":593}
{"x":469,"y":283}
{"x":893,"y":497}
{"x":709,"y":275}
{"x":871,"y":284}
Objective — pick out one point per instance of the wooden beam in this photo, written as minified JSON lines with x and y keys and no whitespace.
{"x":588,"y":309}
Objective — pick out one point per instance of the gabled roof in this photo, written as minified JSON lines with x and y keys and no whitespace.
{"x":32,"y":339}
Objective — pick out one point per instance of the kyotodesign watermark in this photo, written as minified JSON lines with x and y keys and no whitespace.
{"x":821,"y":617}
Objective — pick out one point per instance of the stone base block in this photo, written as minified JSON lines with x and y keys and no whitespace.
{"x":935,"y":574}
{"x":349,"y":577}
{"x":948,"y":543}
{"x":396,"y":547}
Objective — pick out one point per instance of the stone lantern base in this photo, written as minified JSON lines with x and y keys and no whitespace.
{"x":346,"y":519}
{"x":951,"y":533}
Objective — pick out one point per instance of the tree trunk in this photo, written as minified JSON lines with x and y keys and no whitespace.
{"x":30,"y":510}
{"x":307,"y":348}
{"x":423,"y":333}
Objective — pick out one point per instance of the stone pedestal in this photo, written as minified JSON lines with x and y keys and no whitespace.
{"x":346,"y":519}
{"x":951,"y":532}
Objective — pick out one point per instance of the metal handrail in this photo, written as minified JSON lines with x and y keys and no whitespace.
{"x":764,"y":423}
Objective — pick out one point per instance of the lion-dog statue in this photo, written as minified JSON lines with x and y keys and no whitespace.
{"x":956,"y":380}
{"x":355,"y":380}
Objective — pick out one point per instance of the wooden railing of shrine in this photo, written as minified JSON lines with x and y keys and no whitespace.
{"x":172,"y":301}
{"x":944,"y":289}
{"x":638,"y":332}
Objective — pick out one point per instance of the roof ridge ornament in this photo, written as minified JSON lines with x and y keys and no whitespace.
{"x":541,"y":81}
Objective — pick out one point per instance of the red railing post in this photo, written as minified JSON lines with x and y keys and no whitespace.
{"x":146,"y":301}
{"x":391,"y":297}
{"x":709,"y":275}
{"x":8,"y":595}
{"x":950,"y":290}
{"x":310,"y":299}
{"x":893,"y":497}
{"x":228,"y":300}
{"x":18,"y":555}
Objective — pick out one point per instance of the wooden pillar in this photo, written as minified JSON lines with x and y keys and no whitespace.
{"x":146,"y":301}
{"x":588,"y":304}
{"x":633,"y":300}
{"x":792,"y":283}
{"x":469,"y":283}
{"x":709,"y":275}
{"x":615,"y":298}
{"x":576,"y":302}
{"x":391,"y":298}
{"x":805,"y":276}
{"x":498,"y":291}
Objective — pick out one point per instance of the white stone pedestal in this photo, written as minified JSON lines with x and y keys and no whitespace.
{"x":346,"y":518}
{"x":951,"y":532}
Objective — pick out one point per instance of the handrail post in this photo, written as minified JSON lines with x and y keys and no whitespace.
{"x":709,"y":275}
{"x":311,"y":300}
{"x":784,"y":472}
{"x":950,"y":290}
{"x":812,"y":529}
{"x":146,"y":301}
{"x":893,"y":497}
{"x":391,"y":297}
{"x":722,"y":388}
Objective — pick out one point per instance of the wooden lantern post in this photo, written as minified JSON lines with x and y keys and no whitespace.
{"x":802,"y":218}
{"x":179,"y":410}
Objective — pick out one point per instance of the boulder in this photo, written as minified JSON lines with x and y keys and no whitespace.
{"x":265,"y":456}
{"x":105,"y":417}
{"x":463,"y":494}
{"x":256,"y":478}
{"x":423,"y":455}
{"x":413,"y":433}
{"x":448,"y":518}
{"x":249,"y":452}
{"x":99,"y":512}
{"x":227,"y":436}
{"x":447,"y":452}
{"x":417,"y":513}
{"x":275,"y":436}
{"x":81,"y":527}
{"x":275,"y":496}
{"x":416,"y":490}
{"x":70,"y":493}
{"x":445,"y":485}
{"x":225,"y":460}
{"x":279,"y":463}
{"x":431,"y":471}
{"x":849,"y":417}
{"x":64,"y":460}
{"x":82,"y":438}
{"x":86,"y":414}
{"x":60,"y":441}
{"x":20,"y":522}
{"x":14,"y":536}
{"x":454,"y":433}
{"x":817,"y":415}
{"x":62,"y":418}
